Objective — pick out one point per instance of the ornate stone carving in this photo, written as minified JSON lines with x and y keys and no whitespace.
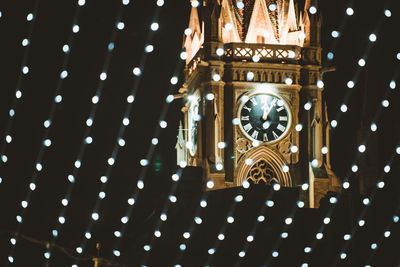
{"x":243,"y":145}
{"x":261,"y":171}
{"x":284,"y":147}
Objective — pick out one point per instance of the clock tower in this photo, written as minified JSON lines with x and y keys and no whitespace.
{"x":253,"y":100}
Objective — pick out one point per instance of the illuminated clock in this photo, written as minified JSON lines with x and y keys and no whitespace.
{"x":264,"y":117}
{"x":193,"y":118}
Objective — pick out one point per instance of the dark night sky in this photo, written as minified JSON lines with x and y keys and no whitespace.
{"x":86,"y":61}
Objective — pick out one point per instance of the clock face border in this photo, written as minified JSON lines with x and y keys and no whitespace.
{"x":285,"y":104}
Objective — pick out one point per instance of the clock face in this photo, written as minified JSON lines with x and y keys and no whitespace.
{"x":193,"y":117}
{"x":264,"y":118}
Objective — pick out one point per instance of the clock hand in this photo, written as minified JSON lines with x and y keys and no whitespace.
{"x":264,"y":108}
{"x":266,"y":113}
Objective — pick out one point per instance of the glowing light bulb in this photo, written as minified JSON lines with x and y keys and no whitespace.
{"x":195,"y":3}
{"x":29,"y":17}
{"x":136,"y":71}
{"x":131,"y":201}
{"x":392,"y":85}
{"x":350,"y":84}
{"x":216,"y":77}
{"x":140,"y":184}
{"x":188,"y":31}
{"x":307,"y":106}
{"x":312,"y":10}
{"x":149,"y":48}
{"x":256,"y":58}
{"x":335,"y":34}
{"x":288,"y":221}
{"x":75,"y":28}
{"x":380,"y":184}
{"x":25,"y":70}
{"x":372,"y":37}
{"x":299,"y":127}
{"x":120,"y":25}
{"x":124,"y":219}
{"x":103,"y":179}
{"x":250,"y":76}
{"x":349,"y":11}
{"x":61,"y":219}
{"x":229,"y":26}
{"x":95,"y":99}
{"x":64,"y":74}
{"x":238,"y":198}
{"x":240,"y":4}
{"x":184,"y":55}
{"x":272,"y":7}
{"x":103,"y":76}
{"x":95,"y":216}
{"x":198,"y":220}
{"x":174,"y":80}
{"x":374,"y":127}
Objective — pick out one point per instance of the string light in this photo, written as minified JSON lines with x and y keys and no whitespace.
{"x":284,"y":166}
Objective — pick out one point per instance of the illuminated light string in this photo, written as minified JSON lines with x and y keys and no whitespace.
{"x":361,"y":63}
{"x":64,"y":250}
{"x":46,"y":141}
{"x":197,"y":220}
{"x":120,"y":142}
{"x":137,"y":71}
{"x":354,"y":169}
{"x":87,"y":139}
{"x":144,"y":164}
{"x":230,"y":219}
{"x":176,"y":177}
{"x":260,"y":219}
{"x":288,"y":222}
{"x":336,"y":34}
{"x":8,"y":139}
{"x":367,"y":202}
{"x":385,"y":235}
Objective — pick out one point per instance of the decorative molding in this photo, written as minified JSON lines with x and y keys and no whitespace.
{"x":273,"y":160}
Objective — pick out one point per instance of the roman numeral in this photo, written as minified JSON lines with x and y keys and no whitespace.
{"x":279,"y":109}
{"x":245,"y":118}
{"x":254,"y":101}
{"x":275,"y":135}
{"x":265,"y":137}
{"x":282,"y":118}
{"x":254,"y":134}
{"x":280,"y":127}
{"x":247,"y":108}
{"x":247,"y":127}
